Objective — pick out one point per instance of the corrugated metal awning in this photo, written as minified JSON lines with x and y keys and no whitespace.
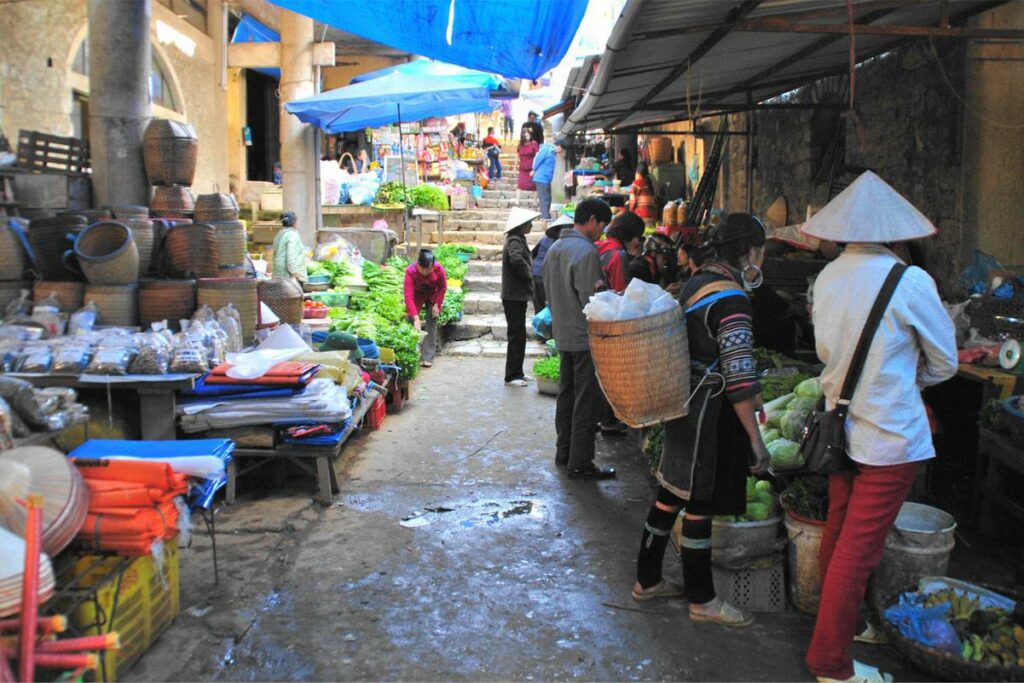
{"x":667,"y":59}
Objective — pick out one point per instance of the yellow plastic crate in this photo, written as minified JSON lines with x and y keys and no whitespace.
{"x":148,"y":599}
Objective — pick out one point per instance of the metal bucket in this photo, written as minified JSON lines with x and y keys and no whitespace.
{"x":918,"y":545}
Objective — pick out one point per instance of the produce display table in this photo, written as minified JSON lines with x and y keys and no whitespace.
{"x":1006,"y":384}
{"x":157,"y":396}
{"x":299,"y":455}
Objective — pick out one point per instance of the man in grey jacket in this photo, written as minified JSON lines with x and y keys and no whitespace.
{"x":572,"y":273}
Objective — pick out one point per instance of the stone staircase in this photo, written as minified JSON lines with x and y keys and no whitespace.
{"x":482,"y":330}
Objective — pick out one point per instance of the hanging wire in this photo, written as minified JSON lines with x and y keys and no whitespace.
{"x":858,"y":125}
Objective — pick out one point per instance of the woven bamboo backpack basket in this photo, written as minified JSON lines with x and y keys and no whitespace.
{"x":144,"y":234}
{"x":283,"y":296}
{"x":170,"y":300}
{"x":192,"y":251}
{"x":216,"y":207}
{"x":230,"y":242}
{"x":240,"y":292}
{"x":172,"y":201}
{"x":170,"y":150}
{"x":50,"y":238}
{"x":118,"y":304}
{"x":661,"y":150}
{"x":643,"y":366}
{"x":107,"y":254}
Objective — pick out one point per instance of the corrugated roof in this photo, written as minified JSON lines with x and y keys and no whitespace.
{"x":734,"y":51}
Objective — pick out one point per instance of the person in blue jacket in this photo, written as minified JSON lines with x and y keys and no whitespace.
{"x":543,"y":172}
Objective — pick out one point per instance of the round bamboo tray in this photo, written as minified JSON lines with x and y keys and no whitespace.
{"x":70,"y":295}
{"x":192,"y":251}
{"x":107,"y":254}
{"x":170,"y":300}
{"x":50,"y":238}
{"x":230,"y":242}
{"x":240,"y":292}
{"x":172,"y":201}
{"x":216,"y":207}
{"x":144,"y":236}
{"x":11,"y":290}
{"x":12,"y":253}
{"x":284,"y":297}
{"x":170,"y":150}
{"x":118,"y":304}
{"x":643,"y":366}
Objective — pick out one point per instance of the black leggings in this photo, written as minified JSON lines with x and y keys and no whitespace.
{"x":695,"y":552}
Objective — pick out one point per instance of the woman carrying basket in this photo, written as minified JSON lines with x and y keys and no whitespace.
{"x":707,"y":454}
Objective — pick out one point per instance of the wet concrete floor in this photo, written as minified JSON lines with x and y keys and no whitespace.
{"x":515,"y":572}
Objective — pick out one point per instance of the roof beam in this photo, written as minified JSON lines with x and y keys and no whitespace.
{"x":776,"y":25}
{"x":735,"y":15}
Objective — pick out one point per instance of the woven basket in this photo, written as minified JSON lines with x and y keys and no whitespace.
{"x":661,"y":151}
{"x":49,"y":240}
{"x":232,"y":271}
{"x":643,"y":366}
{"x":107,"y":254}
{"x":11,"y":290}
{"x":70,"y":295}
{"x":129,"y":212}
{"x":240,"y":292}
{"x":144,"y":236}
{"x":230,"y":242}
{"x":170,"y":149}
{"x":192,"y":251}
{"x":90,"y":215}
{"x":172,"y":201}
{"x":216,"y":207}
{"x":283,"y":296}
{"x":118,"y":304}
{"x":170,"y":300}
{"x":668,"y":215}
{"x":12,"y":253}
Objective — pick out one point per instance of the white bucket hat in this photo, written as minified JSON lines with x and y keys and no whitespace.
{"x":554,"y":228}
{"x":520,"y":216}
{"x":869,"y":210}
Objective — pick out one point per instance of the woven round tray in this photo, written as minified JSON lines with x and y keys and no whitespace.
{"x":943,"y":665}
{"x":170,"y":150}
{"x":643,"y":366}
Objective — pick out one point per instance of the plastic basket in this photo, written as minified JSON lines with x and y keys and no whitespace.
{"x":375,"y":415}
{"x":760,"y":587}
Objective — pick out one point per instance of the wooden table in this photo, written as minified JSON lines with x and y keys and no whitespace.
{"x":157,"y":398}
{"x":1003,"y":384}
{"x":322,"y":467}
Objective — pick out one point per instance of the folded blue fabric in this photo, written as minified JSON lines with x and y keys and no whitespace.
{"x":204,"y":391}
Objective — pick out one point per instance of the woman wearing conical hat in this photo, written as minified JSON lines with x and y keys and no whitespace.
{"x":887,"y":430}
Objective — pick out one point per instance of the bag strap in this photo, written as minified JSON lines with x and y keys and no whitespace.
{"x":713,"y":288}
{"x":860,"y":355}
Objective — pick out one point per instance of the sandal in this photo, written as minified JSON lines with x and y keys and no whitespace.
{"x":727,"y":615}
{"x":662,"y":589}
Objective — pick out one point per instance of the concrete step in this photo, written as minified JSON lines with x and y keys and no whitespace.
{"x":478,"y":214}
{"x":474,"y":326}
{"x":492,"y":348}
{"x":477,"y":237}
{"x":482,"y":283}
{"x":524,"y":195}
{"x":480,"y":268}
{"x":488,"y":303}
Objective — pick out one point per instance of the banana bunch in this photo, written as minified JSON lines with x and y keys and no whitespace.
{"x":987,"y":635}
{"x":1004,"y":649}
{"x":961,"y":605}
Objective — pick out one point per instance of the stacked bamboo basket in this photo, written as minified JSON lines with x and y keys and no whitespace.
{"x":139,"y":265}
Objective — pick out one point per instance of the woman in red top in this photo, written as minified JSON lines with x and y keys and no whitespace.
{"x":527,"y":150}
{"x":641,"y":196}
{"x":492,"y":147}
{"x":425,"y":285}
{"x":625,"y":240}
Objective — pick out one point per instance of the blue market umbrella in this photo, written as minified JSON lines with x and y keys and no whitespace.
{"x":421,"y":68}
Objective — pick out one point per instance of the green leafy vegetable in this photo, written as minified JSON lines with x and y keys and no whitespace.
{"x":784,"y":455}
{"x":428,"y":197}
{"x":451,"y":309}
{"x":808,"y":497}
{"x":548,"y":368}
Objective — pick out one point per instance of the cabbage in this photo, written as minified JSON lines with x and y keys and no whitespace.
{"x":809,"y":388}
{"x":802,"y":405}
{"x":764,"y":486}
{"x":757,"y":512}
{"x":768,"y":500}
{"x":791,"y":426}
{"x":751,"y":488}
{"x":784,"y":455}
{"x":770,"y":435}
{"x":779,"y":404}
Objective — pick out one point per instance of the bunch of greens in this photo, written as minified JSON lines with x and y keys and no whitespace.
{"x":398,"y":263}
{"x":391,"y":193}
{"x":465,"y":249}
{"x":808,"y":497}
{"x":405,"y":340}
{"x":448,"y":256}
{"x":451,"y":309}
{"x":338,"y":270}
{"x":775,"y":385}
{"x":548,"y":368}
{"x":428,"y":197}
{"x":652,"y":445}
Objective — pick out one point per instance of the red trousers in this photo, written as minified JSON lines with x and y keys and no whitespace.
{"x":863,"y":506}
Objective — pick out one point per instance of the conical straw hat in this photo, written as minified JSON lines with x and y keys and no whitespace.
{"x":15,"y":478}
{"x":869,"y":210}
{"x":555,"y":229}
{"x":518,"y":216}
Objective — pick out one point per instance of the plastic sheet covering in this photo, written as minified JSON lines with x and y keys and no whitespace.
{"x":251,"y":31}
{"x":515,"y":38}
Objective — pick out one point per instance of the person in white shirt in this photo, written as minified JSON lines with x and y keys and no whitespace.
{"x":887,"y":429}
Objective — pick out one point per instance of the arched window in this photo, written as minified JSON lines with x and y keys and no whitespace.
{"x":160,"y":91}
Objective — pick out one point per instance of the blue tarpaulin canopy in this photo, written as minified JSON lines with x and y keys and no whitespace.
{"x":388,"y":99}
{"x":515,"y":38}
{"x":251,"y":31}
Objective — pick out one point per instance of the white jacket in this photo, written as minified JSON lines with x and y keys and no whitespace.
{"x":914,"y":347}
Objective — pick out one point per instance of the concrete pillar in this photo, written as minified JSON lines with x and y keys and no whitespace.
{"x":298,"y":155}
{"x":217,"y":21}
{"x":119,"y":58}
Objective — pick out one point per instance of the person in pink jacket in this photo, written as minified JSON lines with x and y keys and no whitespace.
{"x":425,"y":285}
{"x":527,"y":150}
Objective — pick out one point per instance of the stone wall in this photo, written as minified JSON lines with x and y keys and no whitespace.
{"x":39,"y":40}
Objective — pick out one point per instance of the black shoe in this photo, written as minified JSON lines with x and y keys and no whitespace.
{"x":592,"y":472}
{"x":617,"y":429}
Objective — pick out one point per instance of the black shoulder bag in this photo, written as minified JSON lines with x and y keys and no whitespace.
{"x":823,"y":445}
